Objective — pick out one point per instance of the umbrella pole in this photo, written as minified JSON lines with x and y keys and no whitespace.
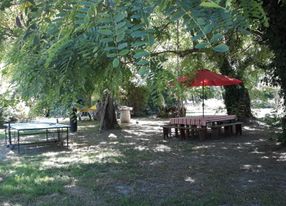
{"x":203,"y":99}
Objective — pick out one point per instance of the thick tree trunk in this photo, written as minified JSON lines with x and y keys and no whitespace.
{"x":236,"y":98}
{"x":107,"y":115}
{"x":237,"y":101}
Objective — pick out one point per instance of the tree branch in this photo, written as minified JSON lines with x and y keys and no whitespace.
{"x":180,"y":53}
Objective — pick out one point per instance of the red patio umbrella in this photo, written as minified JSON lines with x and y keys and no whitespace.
{"x":204,"y":78}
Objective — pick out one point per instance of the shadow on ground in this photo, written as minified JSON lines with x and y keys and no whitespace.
{"x":135,"y":166}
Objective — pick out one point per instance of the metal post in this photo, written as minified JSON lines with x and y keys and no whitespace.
{"x":203,"y":99}
{"x":18,"y":140}
{"x":6,"y":136}
{"x":9,"y":133}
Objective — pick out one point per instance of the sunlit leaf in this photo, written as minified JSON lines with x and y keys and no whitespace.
{"x":201,"y":45}
{"x":221,"y":48}
{"x":115,"y":63}
{"x":210,"y":4}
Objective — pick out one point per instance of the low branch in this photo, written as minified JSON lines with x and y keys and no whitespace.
{"x":180,"y":53}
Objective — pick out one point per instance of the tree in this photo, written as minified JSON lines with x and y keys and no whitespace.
{"x":274,"y":37}
{"x":66,"y":48}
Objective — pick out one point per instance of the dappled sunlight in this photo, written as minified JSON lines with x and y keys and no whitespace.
{"x":249,"y":128}
{"x":141,"y":148}
{"x":87,"y":155}
{"x":86,"y":126}
{"x":189,"y":179}
{"x":281,"y":157}
{"x":137,"y":159}
{"x":265,"y":157}
{"x":162,"y":148}
{"x":203,"y":147}
{"x":251,"y":168}
{"x":112,"y":136}
{"x":256,"y":151}
{"x":9,"y":204}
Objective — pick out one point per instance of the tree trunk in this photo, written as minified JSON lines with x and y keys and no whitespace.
{"x":107,"y":114}
{"x":237,"y":101}
{"x":236,"y":98}
{"x":73,"y":120}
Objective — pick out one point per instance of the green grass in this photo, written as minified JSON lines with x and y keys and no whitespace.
{"x":103,"y":171}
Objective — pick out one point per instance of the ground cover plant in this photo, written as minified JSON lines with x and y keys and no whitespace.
{"x":135,"y":166}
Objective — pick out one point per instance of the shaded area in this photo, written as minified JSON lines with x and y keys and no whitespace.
{"x":135,"y":166}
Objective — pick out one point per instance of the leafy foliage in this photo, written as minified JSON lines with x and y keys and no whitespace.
{"x":63,"y":49}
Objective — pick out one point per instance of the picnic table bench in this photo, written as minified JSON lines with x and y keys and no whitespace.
{"x":200,"y":126}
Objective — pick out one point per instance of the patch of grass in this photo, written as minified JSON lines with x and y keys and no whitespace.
{"x":29,"y":180}
{"x":131,"y":201}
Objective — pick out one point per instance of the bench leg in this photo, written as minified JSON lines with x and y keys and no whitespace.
{"x":216,"y":131}
{"x":176,"y":132}
{"x":202,"y":133}
{"x":238,"y":129}
{"x":165,"y":132}
{"x":228,"y":130}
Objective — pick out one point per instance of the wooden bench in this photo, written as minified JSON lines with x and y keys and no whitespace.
{"x":229,"y":128}
{"x":184,"y":131}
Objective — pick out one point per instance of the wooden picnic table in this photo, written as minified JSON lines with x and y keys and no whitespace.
{"x":199,"y":124}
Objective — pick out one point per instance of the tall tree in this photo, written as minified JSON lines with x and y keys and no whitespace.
{"x":66,"y":48}
{"x":274,"y":35}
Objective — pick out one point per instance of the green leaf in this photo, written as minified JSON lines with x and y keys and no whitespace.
{"x":221,"y":48}
{"x":106,"y":40}
{"x":201,"y":45}
{"x":140,"y":53}
{"x":207,"y":29}
{"x":115,"y":63}
{"x":138,"y":44}
{"x":111,"y":55}
{"x":105,"y":31}
{"x":124,"y":52}
{"x":201,"y":21}
{"x":122,"y":46}
{"x":210,"y":4}
{"x":120,"y":25}
{"x":138,"y":34}
{"x":108,"y":49}
{"x":142,"y":62}
{"x":197,"y":37}
{"x":119,"y":17}
{"x":120,"y":37}
{"x":216,"y":37}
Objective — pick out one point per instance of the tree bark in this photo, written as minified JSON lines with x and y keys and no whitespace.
{"x":107,"y":114}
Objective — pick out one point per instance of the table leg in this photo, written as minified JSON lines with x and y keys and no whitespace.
{"x":182,"y":131}
{"x":176,"y":132}
{"x":188,"y":131}
{"x":9,"y":134}
{"x":203,"y":132}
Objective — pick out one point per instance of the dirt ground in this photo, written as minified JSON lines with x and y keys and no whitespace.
{"x":135,"y":166}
